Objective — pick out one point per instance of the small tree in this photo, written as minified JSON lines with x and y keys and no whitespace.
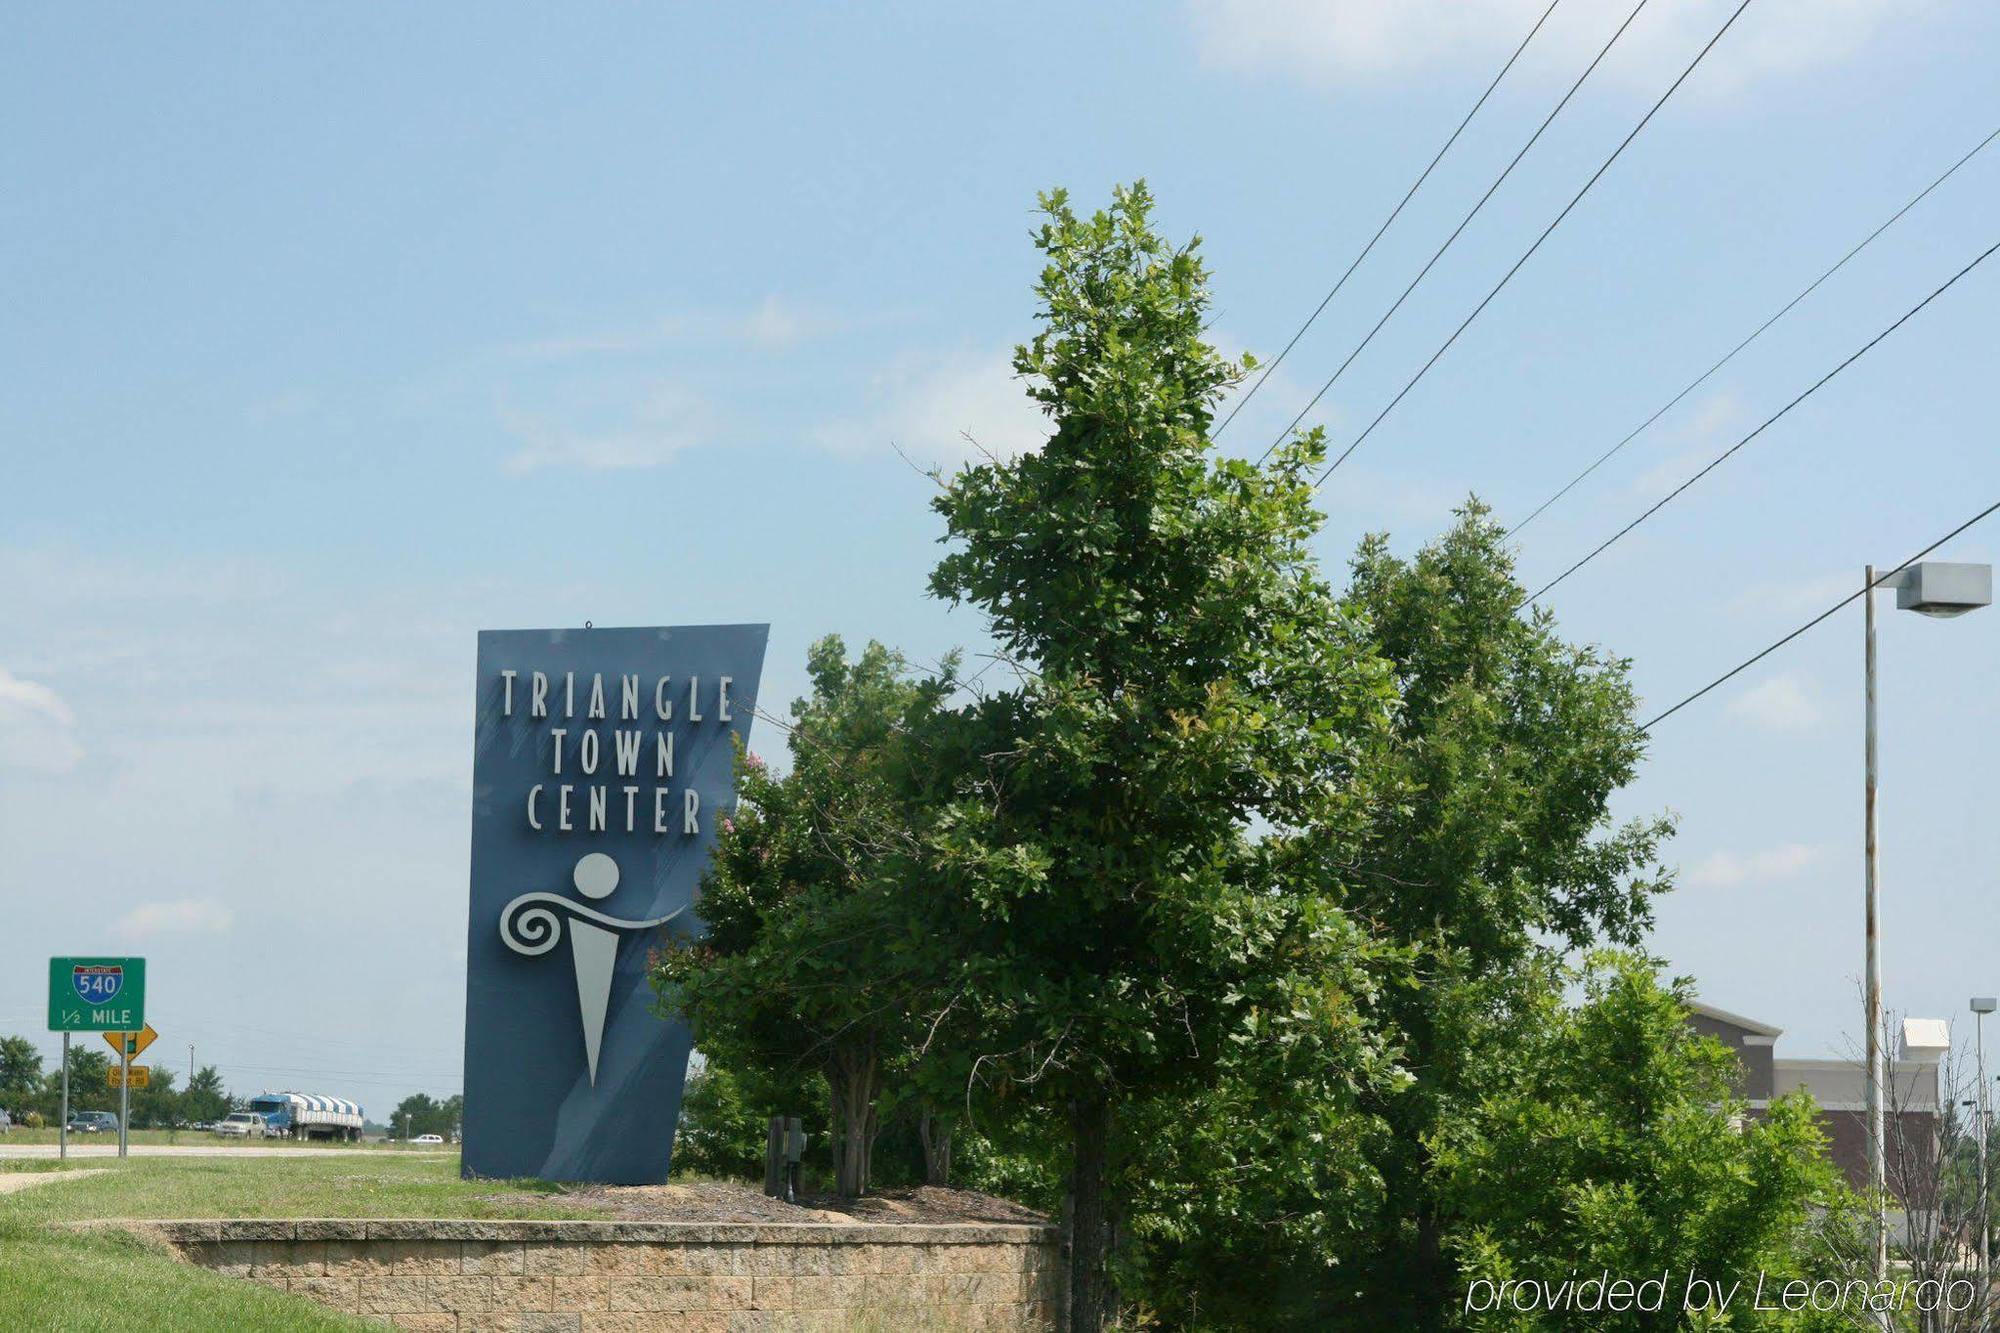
{"x":20,"y":1073}
{"x":204,"y":1098}
{"x":1491,"y":859}
{"x":419,"y":1113}
{"x":1613,"y":1142}
{"x":89,"y":1084}
{"x":1184,"y":675}
{"x":158,"y":1104}
{"x":810,"y":962}
{"x":1931,"y":1167}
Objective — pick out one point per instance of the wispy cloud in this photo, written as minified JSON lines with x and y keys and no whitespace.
{"x":1716,"y":420}
{"x":1340,"y":41}
{"x":1796,"y":596}
{"x":69,"y":575}
{"x":187,"y":916}
{"x":37,"y":729}
{"x":944,"y":409}
{"x":774,"y":324}
{"x":1728,"y":870}
{"x":1785,"y":702}
{"x":667,"y":420}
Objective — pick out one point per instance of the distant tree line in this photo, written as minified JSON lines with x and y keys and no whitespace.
{"x":423,"y":1114}
{"x":32,"y":1094}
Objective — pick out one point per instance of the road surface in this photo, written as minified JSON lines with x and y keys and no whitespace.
{"x":184,"y":1150}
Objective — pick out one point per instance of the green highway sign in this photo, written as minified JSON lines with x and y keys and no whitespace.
{"x":97,"y":994}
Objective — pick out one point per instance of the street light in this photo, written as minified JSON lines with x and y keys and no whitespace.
{"x":1939,"y":589}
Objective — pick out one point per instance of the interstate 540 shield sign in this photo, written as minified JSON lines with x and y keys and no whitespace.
{"x":602,"y":760}
{"x":96,"y":994}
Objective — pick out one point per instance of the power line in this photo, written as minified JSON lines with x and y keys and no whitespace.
{"x":358,"y":1075}
{"x":1529,"y":253}
{"x":1786,"y":309}
{"x":1463,"y":223}
{"x":1394,"y":213}
{"x":1751,"y":661}
{"x":1804,"y":394}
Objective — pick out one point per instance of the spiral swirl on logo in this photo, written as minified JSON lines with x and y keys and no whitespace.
{"x":529,"y":925}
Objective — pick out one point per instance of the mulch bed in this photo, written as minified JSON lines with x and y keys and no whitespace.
{"x":732,"y":1201}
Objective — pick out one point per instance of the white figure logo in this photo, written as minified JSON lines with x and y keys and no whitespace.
{"x":529,"y":925}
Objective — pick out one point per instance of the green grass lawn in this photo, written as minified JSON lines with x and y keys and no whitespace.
{"x":60,"y":1279}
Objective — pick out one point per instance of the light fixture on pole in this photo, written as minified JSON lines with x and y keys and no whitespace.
{"x":1940,"y":589}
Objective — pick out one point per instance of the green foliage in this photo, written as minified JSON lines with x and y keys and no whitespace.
{"x":26,"y":1090}
{"x":725,"y":1113}
{"x":20,"y":1073}
{"x":89,"y":1083}
{"x":720,"y":1133}
{"x":1185,"y":673}
{"x":158,"y":1104}
{"x":1490,"y":856}
{"x":419,"y":1113}
{"x":1509,"y":745}
{"x":1237,"y":918}
{"x":1613,"y":1142}
{"x":1014,"y":1157}
{"x":204,"y":1097}
{"x":813,"y":960}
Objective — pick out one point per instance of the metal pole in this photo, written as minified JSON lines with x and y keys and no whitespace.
{"x":1873,"y":982}
{"x":1979,"y":1026}
{"x":190,"y":1064}
{"x":62,"y":1133}
{"x":124,"y":1089}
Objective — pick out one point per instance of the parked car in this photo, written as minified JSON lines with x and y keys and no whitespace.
{"x":241,"y":1125}
{"x":428,"y":1138}
{"x":93,"y":1122}
{"x":5,"y":1123}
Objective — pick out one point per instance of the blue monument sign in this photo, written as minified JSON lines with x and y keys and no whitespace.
{"x":602,"y":760}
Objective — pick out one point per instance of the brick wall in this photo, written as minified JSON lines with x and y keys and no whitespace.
{"x":637,"y":1277}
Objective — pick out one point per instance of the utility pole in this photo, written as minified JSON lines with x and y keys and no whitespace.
{"x":190,"y":1064}
{"x":1872,"y":1005}
{"x":1939,"y":589}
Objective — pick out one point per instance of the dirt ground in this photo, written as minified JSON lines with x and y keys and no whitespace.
{"x":732,"y":1201}
{"x":20,"y":1180}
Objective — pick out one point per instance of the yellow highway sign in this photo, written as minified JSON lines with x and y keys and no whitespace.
{"x":141,"y":1076}
{"x":133,"y":1044}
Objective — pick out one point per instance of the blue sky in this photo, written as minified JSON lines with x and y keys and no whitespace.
{"x":333,"y":336}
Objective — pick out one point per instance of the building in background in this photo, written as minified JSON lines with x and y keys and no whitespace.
{"x":1910,"y":1104}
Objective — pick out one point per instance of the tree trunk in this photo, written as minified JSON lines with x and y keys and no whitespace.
{"x":1091,"y":1298}
{"x":836,"y":1137}
{"x":935,"y":1132}
{"x":1433,"y":1284}
{"x":855,"y":1075}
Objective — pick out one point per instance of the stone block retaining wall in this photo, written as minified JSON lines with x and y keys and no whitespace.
{"x":638,"y":1277}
